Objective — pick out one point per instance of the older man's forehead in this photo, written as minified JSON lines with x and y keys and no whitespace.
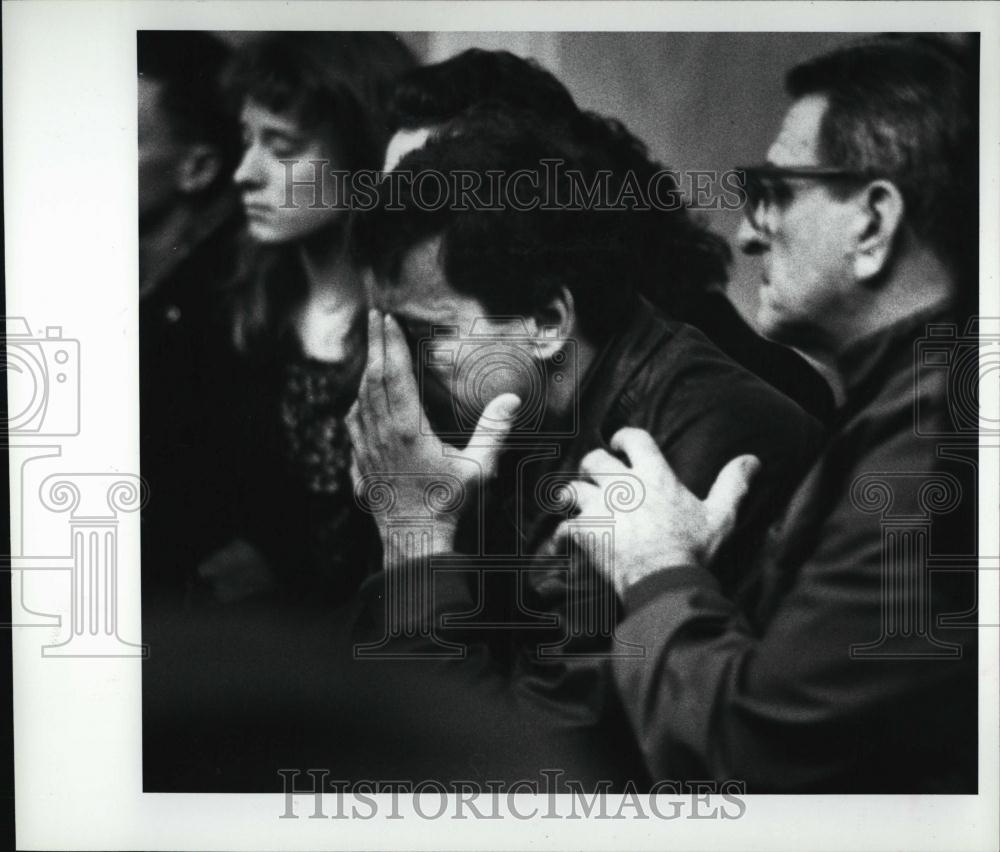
{"x":798,"y":139}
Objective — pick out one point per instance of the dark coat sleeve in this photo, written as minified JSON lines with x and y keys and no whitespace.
{"x":787,"y":706}
{"x":561,"y":706}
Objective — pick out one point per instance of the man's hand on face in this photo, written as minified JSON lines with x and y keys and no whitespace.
{"x":394,"y":446}
{"x":671,"y":527}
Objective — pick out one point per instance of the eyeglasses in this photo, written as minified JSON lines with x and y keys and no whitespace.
{"x":768,"y":186}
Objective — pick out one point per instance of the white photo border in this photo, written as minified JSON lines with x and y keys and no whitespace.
{"x":70,"y":172}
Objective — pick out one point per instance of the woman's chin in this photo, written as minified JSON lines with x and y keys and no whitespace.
{"x":265,"y":234}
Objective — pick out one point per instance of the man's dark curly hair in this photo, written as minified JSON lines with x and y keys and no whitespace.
{"x":514,"y":259}
{"x":667,"y":255}
{"x":434,"y":94}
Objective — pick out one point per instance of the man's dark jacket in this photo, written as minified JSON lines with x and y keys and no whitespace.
{"x":522,"y":710}
{"x":848,"y":663}
{"x":189,"y":375}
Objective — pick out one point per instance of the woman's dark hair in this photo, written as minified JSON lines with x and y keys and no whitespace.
{"x":335,"y":85}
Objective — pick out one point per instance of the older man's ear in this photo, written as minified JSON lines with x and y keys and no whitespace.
{"x":880,"y":216}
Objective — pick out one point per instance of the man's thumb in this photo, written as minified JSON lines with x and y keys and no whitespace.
{"x":731,"y":486}
{"x":494,"y":425}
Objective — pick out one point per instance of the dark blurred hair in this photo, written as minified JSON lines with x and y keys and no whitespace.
{"x":671,"y":256}
{"x":190,"y":66}
{"x":906,"y":108}
{"x":434,"y":94}
{"x":334,"y":85}
{"x":513,"y":261}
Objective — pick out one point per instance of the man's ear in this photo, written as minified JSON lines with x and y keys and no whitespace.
{"x":555,"y":322}
{"x":198,"y":168}
{"x":882,"y":209}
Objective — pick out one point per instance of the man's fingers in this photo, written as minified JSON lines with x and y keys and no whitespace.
{"x":554,"y":545}
{"x":401,"y":389}
{"x":640,"y":448}
{"x":359,"y":440}
{"x":376,"y":344}
{"x":355,"y":470}
{"x":585,"y":497}
{"x":728,"y":491}
{"x":492,"y":429}
{"x":373,"y":390}
{"x":600,"y":461}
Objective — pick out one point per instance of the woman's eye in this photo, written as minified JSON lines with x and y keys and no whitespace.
{"x":281,"y":146}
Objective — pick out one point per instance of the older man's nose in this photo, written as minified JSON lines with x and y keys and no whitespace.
{"x":749,"y":239}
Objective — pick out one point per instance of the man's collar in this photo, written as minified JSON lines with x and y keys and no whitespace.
{"x":616,"y":363}
{"x":862,"y":358}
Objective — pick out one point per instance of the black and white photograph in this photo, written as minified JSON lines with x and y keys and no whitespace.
{"x":504,"y":431}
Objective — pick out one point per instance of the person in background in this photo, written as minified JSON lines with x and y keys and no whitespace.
{"x":675,"y":261}
{"x":189,"y":225}
{"x":310,"y":104}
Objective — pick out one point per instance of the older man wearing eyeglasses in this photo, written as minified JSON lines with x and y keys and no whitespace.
{"x":848,"y":662}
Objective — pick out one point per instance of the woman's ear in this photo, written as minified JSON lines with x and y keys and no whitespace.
{"x":554,"y":323}
{"x":881,"y":209}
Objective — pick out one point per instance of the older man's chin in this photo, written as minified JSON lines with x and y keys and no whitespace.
{"x":767,"y":320}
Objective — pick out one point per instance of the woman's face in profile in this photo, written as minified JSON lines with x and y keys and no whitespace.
{"x":284,"y":178}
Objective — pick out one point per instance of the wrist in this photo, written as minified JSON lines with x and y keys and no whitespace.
{"x":412,"y":545}
{"x":629,"y":575}
{"x":443,"y":536}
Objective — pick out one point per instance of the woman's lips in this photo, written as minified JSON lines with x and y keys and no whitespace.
{"x":258,"y":210}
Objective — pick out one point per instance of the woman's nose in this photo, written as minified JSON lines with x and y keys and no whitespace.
{"x":248,"y":171}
